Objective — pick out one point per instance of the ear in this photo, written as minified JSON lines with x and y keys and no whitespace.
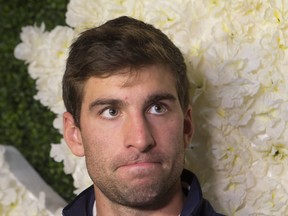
{"x":188,"y":126}
{"x":72,"y":135}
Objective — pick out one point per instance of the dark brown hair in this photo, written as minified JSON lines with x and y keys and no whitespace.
{"x":118,"y":44}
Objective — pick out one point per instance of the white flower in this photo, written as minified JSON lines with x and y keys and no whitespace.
{"x":82,"y":14}
{"x":167,"y":15}
{"x":233,"y":191}
{"x":46,"y":52}
{"x":81,"y":178}
{"x":58,"y":123}
{"x":272,"y":200}
{"x":33,"y":39}
{"x":72,"y":165}
{"x":61,"y":152}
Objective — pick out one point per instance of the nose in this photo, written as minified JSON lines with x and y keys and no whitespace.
{"x":138,"y":134}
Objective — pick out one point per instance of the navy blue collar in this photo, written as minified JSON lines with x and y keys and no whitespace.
{"x":82,"y":205}
{"x":194,"y":205}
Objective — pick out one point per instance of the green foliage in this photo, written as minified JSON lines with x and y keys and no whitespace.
{"x":24,"y":122}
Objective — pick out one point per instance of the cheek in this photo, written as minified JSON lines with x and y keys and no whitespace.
{"x":98,"y":159}
{"x":100,"y":138}
{"x":169,"y":139}
{"x":97,"y":151}
{"x":169,"y":129}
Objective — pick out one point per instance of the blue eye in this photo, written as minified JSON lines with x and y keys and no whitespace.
{"x":110,"y":113}
{"x":157,"y":109}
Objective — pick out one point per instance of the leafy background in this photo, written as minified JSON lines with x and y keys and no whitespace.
{"x":24,"y":122}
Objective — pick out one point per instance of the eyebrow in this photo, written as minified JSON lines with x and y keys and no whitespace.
{"x":158,"y":97}
{"x":106,"y":101}
{"x":154,"y":98}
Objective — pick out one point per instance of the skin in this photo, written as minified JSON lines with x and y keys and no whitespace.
{"x":133,"y":135}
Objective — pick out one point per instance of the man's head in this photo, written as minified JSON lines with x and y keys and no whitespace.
{"x":118,"y":44}
{"x":126,"y":86}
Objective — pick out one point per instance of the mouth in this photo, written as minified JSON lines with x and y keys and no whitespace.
{"x":140,"y":171}
{"x":140,"y":165}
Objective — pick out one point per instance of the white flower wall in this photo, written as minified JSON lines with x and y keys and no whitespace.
{"x":237,"y":58}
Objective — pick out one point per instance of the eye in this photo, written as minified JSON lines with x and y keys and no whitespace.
{"x":109,"y":113}
{"x":157,"y":109}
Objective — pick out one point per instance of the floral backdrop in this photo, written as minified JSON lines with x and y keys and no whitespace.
{"x":237,"y":57}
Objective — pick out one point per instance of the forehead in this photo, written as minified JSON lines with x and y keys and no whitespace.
{"x":148,"y":78}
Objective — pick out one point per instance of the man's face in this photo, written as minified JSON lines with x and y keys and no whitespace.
{"x":134,"y":132}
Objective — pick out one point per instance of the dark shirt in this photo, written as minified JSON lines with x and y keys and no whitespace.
{"x":195,"y":204}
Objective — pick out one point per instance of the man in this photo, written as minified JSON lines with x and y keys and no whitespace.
{"x":126,"y":93}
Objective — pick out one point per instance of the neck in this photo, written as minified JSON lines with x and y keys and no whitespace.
{"x":168,"y":205}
